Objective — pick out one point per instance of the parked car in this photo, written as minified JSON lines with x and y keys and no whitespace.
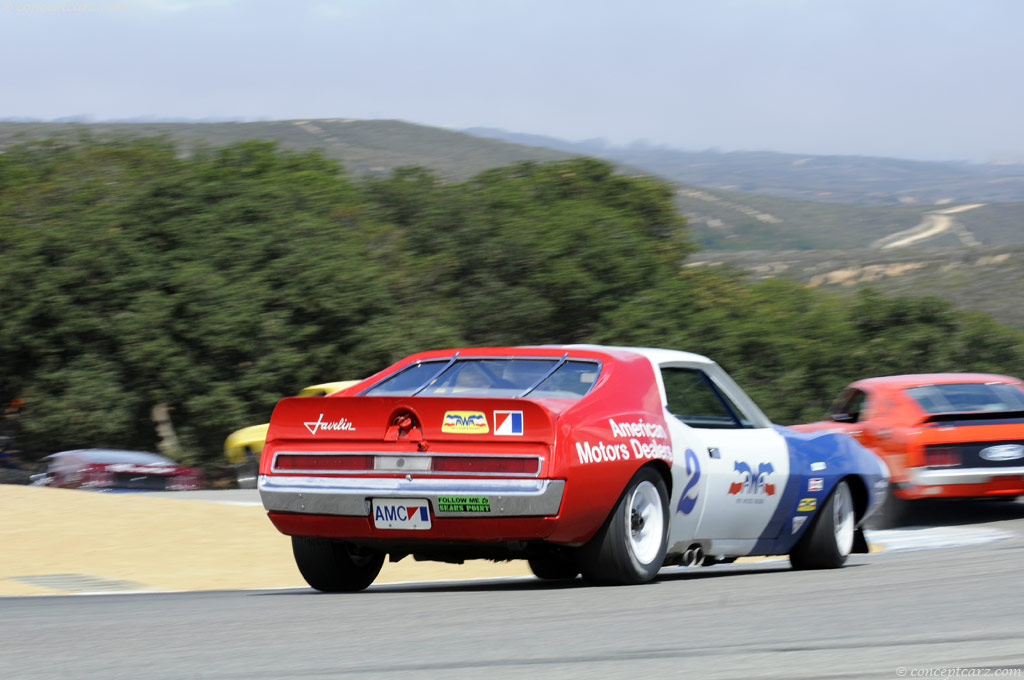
{"x":242,"y":447}
{"x":114,"y":469}
{"x":946,"y":435}
{"x":605,"y":461}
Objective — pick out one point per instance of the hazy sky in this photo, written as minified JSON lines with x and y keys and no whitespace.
{"x":930,"y":79}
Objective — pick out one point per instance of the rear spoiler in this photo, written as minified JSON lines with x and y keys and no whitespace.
{"x":353,"y":418}
{"x":1009,"y":416}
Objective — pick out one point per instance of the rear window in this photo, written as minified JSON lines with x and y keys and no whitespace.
{"x":966,"y":397}
{"x":539,"y":378}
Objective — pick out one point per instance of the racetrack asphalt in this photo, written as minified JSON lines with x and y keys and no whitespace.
{"x":62,"y":541}
{"x":951,"y":612}
{"x":907,"y":612}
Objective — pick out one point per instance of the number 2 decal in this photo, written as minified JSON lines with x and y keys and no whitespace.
{"x":686,"y":503}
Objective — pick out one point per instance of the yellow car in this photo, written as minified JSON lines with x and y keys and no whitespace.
{"x":243,"y":447}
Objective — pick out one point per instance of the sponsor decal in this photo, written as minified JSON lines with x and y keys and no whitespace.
{"x":651,"y":449}
{"x":508,"y":423}
{"x":1003,"y":452}
{"x":465,"y":422}
{"x":601,"y":452}
{"x":463,"y":504}
{"x":818,"y":466}
{"x":643,"y":441}
{"x":815,"y":484}
{"x":639,"y":428}
{"x":797,"y":523}
{"x":604,"y":452}
{"x":752,"y":487}
{"x":807,"y":505}
{"x":320,"y":425}
{"x":401,"y":514}
{"x":686,"y":501}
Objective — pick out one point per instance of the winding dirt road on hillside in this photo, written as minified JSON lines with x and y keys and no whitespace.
{"x":932,"y":224}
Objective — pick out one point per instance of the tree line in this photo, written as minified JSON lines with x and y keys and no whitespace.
{"x":215,"y":283}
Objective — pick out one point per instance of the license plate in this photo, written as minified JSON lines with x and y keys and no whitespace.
{"x":404,"y":513}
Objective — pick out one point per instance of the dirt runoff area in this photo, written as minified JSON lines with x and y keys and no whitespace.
{"x":60,"y":541}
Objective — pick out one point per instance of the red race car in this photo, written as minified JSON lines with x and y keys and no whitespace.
{"x":945,"y":435}
{"x":605,"y":461}
{"x":117,"y":470}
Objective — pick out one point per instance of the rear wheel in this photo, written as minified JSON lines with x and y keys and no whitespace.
{"x":335,"y":566}
{"x":630,"y":546}
{"x":247,"y":470}
{"x":829,"y":540}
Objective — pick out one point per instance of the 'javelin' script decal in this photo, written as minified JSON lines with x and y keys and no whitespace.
{"x":320,"y":426}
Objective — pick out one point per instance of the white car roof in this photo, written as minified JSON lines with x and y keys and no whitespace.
{"x":654,"y":354}
{"x":659,"y":357}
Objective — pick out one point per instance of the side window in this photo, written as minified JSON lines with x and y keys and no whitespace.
{"x":849,"y":407}
{"x":694,"y":399}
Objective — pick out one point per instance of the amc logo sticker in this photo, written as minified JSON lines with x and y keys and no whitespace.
{"x":508,"y":423}
{"x":465,"y":422}
{"x":401,"y":513}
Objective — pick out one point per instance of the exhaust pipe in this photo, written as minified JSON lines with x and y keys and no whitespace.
{"x":693,"y":556}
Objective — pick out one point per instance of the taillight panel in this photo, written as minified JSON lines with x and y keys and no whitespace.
{"x":341,"y":462}
{"x":502,"y":465}
{"x":322,"y":462}
{"x":942,"y":456}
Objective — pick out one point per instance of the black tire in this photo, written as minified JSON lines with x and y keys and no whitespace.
{"x":335,"y":566}
{"x":247,"y":472}
{"x":894,"y":513}
{"x":554,"y":567}
{"x":829,"y":540}
{"x":621,"y":553}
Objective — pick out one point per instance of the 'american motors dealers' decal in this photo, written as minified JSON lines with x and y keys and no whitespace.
{"x":508,"y":423}
{"x":642,"y":440}
{"x":465,"y":422}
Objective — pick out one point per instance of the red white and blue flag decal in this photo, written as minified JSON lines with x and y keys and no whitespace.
{"x":508,"y":423}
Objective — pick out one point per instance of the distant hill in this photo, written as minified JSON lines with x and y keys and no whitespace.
{"x":984,"y":278}
{"x":769,"y":217}
{"x":365,"y":147}
{"x":835,"y":179}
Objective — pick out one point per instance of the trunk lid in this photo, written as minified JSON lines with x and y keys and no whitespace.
{"x":409,"y":436}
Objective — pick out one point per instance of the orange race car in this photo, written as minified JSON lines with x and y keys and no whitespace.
{"x":943,"y":435}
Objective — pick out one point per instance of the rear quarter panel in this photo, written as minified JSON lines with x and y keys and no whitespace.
{"x":604,"y":439}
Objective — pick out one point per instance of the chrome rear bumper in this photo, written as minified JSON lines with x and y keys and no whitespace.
{"x":949,"y":476}
{"x":351,"y":497}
